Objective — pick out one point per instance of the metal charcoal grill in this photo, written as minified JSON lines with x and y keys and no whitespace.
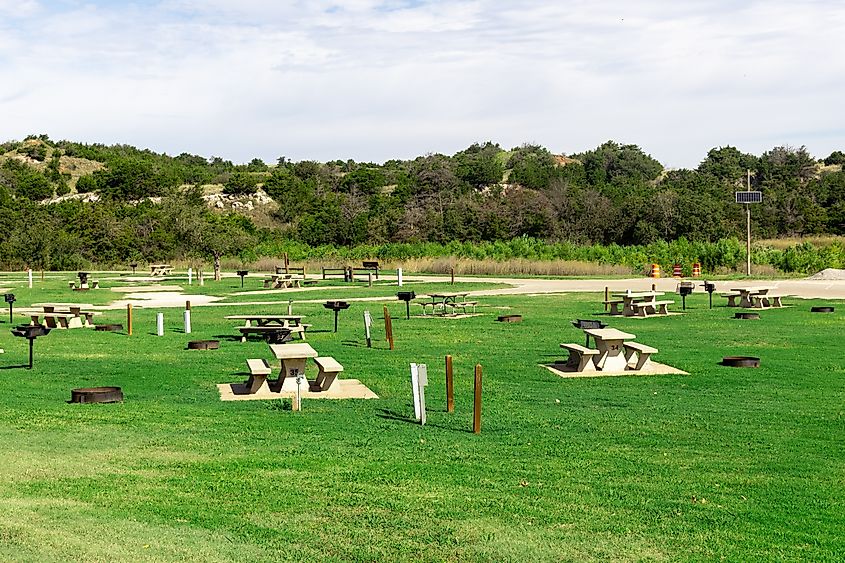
{"x":710,"y":287}
{"x":30,"y":332}
{"x":242,"y":274}
{"x":336,"y":306}
{"x":588,"y":323}
{"x":10,"y":299}
{"x":406,"y":296}
{"x":685,"y":288}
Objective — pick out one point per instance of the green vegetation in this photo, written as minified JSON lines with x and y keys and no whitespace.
{"x":723,"y":463}
{"x":614,"y":204}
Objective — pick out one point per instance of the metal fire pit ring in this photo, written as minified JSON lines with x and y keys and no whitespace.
{"x":203,"y":345}
{"x":741,"y":361}
{"x":823,"y":309}
{"x":108,"y":328}
{"x":747,"y":316}
{"x":96,"y":395}
{"x":510,"y":319}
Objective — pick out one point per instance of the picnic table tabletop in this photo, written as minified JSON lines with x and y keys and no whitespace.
{"x":448,"y":295}
{"x":609,"y":334}
{"x":754,"y":289}
{"x":293,"y":351}
{"x":638,"y":294}
{"x":63,"y":305}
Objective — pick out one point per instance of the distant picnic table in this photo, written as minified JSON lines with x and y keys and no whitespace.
{"x":161,"y":269}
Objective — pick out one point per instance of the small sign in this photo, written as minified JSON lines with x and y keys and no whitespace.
{"x":749,"y":197}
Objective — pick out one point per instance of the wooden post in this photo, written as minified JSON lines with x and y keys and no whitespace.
{"x":606,"y":297}
{"x":453,"y":276}
{"x":42,"y":275}
{"x":654,"y":287}
{"x":370,"y":279}
{"x":450,"y":390}
{"x":476,"y":405}
{"x":187,"y":305}
{"x":388,"y":327}
{"x":129,"y":319}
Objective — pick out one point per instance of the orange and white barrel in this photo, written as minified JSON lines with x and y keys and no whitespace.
{"x":696,"y":270}
{"x":676,"y":271}
{"x":655,"y":270}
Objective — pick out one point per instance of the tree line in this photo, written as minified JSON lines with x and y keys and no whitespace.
{"x":150,"y":205}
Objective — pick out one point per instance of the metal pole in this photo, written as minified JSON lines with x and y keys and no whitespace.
{"x":748,"y":240}
{"x":335,"y":320}
{"x":31,"y":340}
{"x":10,"y":312}
{"x":476,"y":407}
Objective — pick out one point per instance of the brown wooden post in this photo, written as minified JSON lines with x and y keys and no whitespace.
{"x":42,"y":275}
{"x":187,"y":305}
{"x":654,"y":287}
{"x":129,"y":319}
{"x":450,"y":390}
{"x":388,"y":327}
{"x":606,"y":297}
{"x":370,"y":279}
{"x":476,"y":405}
{"x":453,"y":276}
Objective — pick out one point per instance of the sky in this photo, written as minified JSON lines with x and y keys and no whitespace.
{"x":375,"y":80}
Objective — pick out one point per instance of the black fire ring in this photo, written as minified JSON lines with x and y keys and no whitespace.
{"x":510,"y":319}
{"x":741,"y":361}
{"x":108,"y":328}
{"x":203,"y":345}
{"x":747,"y":316}
{"x":96,"y":395}
{"x":825,"y":309}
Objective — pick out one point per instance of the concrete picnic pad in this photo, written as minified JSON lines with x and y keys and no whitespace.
{"x":652,"y":368}
{"x":340,"y":389}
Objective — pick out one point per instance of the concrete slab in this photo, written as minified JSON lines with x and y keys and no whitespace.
{"x":653,"y":368}
{"x":342,"y":389}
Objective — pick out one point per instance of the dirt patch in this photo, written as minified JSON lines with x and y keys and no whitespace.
{"x":831,"y":274}
{"x":144,"y":288}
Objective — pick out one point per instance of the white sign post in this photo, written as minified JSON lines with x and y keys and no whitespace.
{"x":399,"y":276}
{"x":368,"y":321}
{"x":160,"y":324}
{"x":29,"y":274}
{"x":419,"y":379}
{"x":187,"y":321}
{"x":190,"y":276}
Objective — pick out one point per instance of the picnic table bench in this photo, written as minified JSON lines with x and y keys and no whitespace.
{"x":641,"y":351}
{"x":440,"y":301}
{"x":329,"y":369}
{"x":580,"y":357}
{"x":259,"y":370}
{"x":161,"y":269}
{"x":767,"y":300}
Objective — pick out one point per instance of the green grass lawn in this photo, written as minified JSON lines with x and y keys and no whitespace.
{"x":740,"y":464}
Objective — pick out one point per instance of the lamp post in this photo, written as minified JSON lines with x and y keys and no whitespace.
{"x":747,"y":198}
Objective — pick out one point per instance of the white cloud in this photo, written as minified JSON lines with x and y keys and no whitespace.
{"x":375,"y":80}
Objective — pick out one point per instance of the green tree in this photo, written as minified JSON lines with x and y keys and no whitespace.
{"x":240,"y":183}
{"x":480,"y":165}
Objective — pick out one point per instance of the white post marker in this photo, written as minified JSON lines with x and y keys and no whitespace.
{"x":399,"y":276}
{"x":29,"y":274}
{"x":187,"y":321}
{"x":290,"y":306}
{"x":368,"y":321}
{"x":200,"y":278}
{"x":160,"y":324}
{"x":190,"y":276}
{"x":419,"y":379}
{"x":298,"y":398}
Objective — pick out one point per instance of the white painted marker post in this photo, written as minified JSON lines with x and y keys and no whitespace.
{"x":368,"y":321}
{"x":187,"y":321}
{"x":190,"y":276}
{"x":399,"y":276}
{"x":29,"y":274}
{"x":160,"y":324}
{"x":419,"y":379}
{"x":290,"y":306}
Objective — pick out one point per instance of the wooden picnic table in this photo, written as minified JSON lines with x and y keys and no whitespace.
{"x":610,"y":344}
{"x":161,"y":269}
{"x":746,"y":294}
{"x":292,"y":358}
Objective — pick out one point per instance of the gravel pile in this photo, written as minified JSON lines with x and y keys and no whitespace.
{"x":829,"y":274}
